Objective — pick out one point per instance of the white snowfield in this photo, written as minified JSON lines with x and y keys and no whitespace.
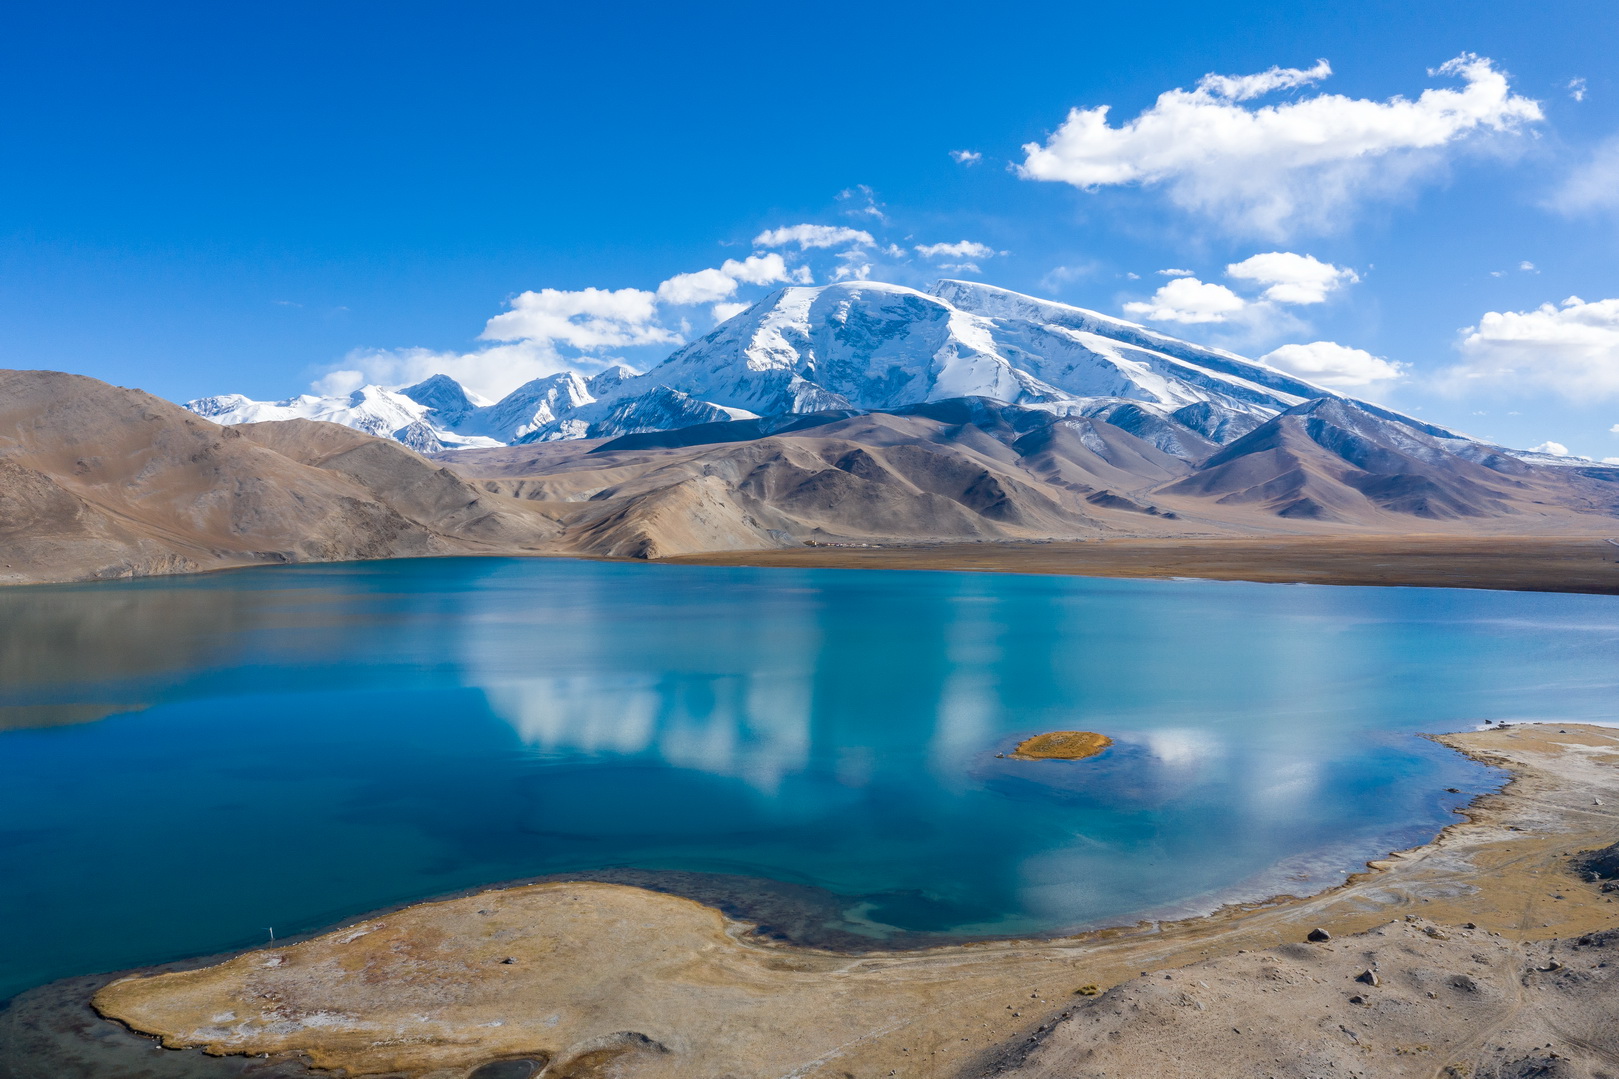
{"x":863,"y":346}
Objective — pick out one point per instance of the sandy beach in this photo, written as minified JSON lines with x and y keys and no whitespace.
{"x":585,"y":979}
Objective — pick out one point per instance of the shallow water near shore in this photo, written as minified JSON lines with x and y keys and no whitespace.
{"x":189,"y":763}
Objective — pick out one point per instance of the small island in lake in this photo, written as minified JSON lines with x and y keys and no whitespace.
{"x":1060,"y":746}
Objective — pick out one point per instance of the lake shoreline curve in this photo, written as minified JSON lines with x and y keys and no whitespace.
{"x":598,"y":962}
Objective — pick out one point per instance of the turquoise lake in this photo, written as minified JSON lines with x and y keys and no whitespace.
{"x":186,"y":763}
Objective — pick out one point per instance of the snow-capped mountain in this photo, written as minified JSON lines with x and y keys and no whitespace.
{"x":863,"y":346}
{"x":424,"y":425}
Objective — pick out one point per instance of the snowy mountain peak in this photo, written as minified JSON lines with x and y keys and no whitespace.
{"x":446,"y":399}
{"x":859,"y":345}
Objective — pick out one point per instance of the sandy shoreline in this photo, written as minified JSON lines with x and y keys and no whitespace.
{"x":611,"y":979}
{"x":1527,"y":563}
{"x":1581,"y":564}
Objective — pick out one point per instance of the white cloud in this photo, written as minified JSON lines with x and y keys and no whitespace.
{"x":1292,"y":278}
{"x":962,"y":249}
{"x":708,"y":286}
{"x":588,"y":319}
{"x":1594,"y":184}
{"x":768,"y":269}
{"x":1332,"y":364}
{"x":493,"y":372}
{"x":1550,"y":447}
{"x":1186,"y":299}
{"x":863,"y":202}
{"x":1248,"y":87}
{"x":338,"y":383}
{"x":853,"y":270}
{"x":811,"y":236}
{"x":1570,"y":348}
{"x":1614,"y":430}
{"x":966,"y":157}
{"x":700,"y":286}
{"x":550,"y":330}
{"x":1281,"y":168}
{"x":1527,"y":267}
{"x":1060,"y":276}
{"x":1576,"y":89}
{"x":1175,"y":271}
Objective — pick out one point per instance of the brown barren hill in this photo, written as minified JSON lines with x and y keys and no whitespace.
{"x":98,"y":481}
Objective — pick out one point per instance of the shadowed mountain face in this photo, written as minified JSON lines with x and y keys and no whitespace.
{"x":99,"y":481}
{"x":973,"y":469}
{"x":1336,"y":460}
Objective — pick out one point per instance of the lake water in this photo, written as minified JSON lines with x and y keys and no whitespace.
{"x":186,"y":763}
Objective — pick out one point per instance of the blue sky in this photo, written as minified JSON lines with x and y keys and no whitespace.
{"x":252,"y":198}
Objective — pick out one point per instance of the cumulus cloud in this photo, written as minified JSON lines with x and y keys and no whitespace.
{"x":1186,"y":299}
{"x":1292,"y":278}
{"x":708,"y":286}
{"x":1527,"y":267}
{"x":1277,"y":169}
{"x":1594,"y":184}
{"x":493,"y":372}
{"x":700,"y":286}
{"x":1576,"y":89}
{"x":966,"y":157}
{"x":591,"y":318}
{"x":962,"y":249}
{"x":549,"y":330}
{"x":1571,"y":348}
{"x":856,"y":267}
{"x":1550,"y":447}
{"x":1331,"y":364}
{"x":1284,"y":277}
{"x":812,"y":236}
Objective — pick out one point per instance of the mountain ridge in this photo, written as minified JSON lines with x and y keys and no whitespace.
{"x":857,"y":345}
{"x":98,"y":481}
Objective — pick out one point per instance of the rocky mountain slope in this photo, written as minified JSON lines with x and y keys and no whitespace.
{"x":98,"y":481}
{"x":974,"y":469}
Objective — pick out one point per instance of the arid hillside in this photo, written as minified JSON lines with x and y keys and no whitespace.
{"x":977,"y":470}
{"x":98,"y":481}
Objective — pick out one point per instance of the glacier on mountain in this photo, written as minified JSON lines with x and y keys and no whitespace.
{"x":859,"y":346}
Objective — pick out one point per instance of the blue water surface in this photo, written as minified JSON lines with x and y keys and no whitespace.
{"x":188,"y":762}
